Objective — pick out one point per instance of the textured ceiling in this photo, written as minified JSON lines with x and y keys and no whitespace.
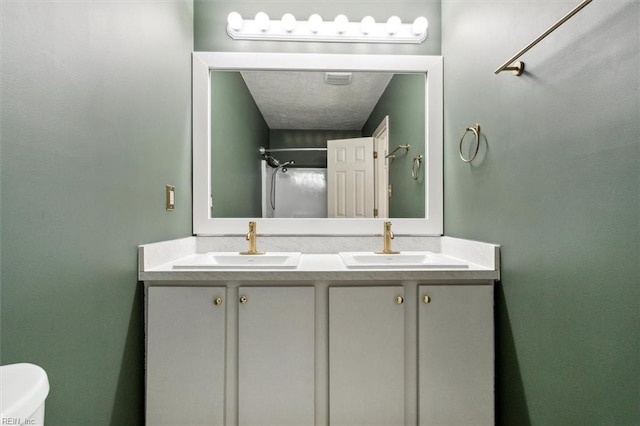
{"x":302,"y":100}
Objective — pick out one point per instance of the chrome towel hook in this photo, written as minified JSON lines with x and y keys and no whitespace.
{"x":476,"y":131}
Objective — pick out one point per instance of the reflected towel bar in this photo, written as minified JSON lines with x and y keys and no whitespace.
{"x":518,"y":67}
{"x":392,"y":153}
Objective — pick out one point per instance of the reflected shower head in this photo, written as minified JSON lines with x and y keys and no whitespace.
{"x":285,"y":164}
{"x":273,"y":162}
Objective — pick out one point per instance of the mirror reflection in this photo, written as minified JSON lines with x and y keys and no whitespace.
{"x":301,"y":144}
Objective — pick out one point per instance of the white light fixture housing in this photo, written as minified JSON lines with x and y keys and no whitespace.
{"x":339,"y":30}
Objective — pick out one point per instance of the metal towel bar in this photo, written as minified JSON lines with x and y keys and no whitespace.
{"x":518,"y":67}
{"x":392,"y":154}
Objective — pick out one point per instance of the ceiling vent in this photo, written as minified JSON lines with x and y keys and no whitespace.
{"x":337,"y":78}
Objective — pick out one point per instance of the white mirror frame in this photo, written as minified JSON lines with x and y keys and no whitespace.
{"x":204,"y":62}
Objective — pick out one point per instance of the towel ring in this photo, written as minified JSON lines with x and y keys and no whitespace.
{"x":415,"y":169}
{"x":476,"y":131}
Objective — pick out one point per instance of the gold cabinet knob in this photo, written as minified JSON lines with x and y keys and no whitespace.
{"x":399,"y":300}
{"x":426,"y":299}
{"x":217,"y":301}
{"x":243,"y":299}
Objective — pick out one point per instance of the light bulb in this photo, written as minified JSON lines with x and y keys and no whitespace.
{"x":420,"y":26}
{"x":262,"y":21}
{"x":341,"y":22}
{"x":393,"y":25}
{"x":288,"y":22}
{"x":234,"y":20}
{"x":367,"y":24}
{"x":315,"y":23}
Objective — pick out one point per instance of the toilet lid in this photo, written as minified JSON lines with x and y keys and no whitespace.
{"x":23,"y":388}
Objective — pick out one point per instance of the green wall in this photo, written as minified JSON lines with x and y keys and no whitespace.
{"x":403,"y":101}
{"x":95,"y":120}
{"x":557,"y":185}
{"x":237,"y":133}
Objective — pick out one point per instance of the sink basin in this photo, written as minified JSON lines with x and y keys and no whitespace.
{"x":405,"y":259}
{"x":235,"y":260}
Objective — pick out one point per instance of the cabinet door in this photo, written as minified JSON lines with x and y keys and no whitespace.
{"x":456,"y":355}
{"x":185,"y":355}
{"x":276,"y":356}
{"x":366,"y":356}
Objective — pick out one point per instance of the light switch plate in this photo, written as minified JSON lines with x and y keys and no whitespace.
{"x":170,"y":197}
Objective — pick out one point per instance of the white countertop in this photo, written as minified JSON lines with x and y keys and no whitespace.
{"x":156,"y":262}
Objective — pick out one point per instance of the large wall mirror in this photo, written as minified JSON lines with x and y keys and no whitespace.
{"x":317,"y":144}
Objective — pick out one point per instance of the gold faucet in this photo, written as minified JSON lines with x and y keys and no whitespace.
{"x":388,"y":236}
{"x":251,"y":237}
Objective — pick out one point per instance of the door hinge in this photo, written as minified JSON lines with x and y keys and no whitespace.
{"x":375,"y":154}
{"x":375,"y":212}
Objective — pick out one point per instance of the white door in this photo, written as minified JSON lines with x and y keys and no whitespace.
{"x":350,"y":178}
{"x":366,"y":356}
{"x":456,"y":355}
{"x":381,"y":168}
{"x":276,"y":356}
{"x":185,"y":355}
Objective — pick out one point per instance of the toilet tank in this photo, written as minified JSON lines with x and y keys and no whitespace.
{"x":23,"y":389}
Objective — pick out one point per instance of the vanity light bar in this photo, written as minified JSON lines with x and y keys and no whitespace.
{"x":316,"y":30}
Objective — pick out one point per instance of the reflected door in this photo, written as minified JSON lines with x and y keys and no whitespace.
{"x":350,"y":178}
{"x":381,"y":169}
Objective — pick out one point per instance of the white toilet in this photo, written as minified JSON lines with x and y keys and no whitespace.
{"x":23,"y":389}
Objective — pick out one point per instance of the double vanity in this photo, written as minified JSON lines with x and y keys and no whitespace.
{"x":319,"y":331}
{"x":320,"y":320}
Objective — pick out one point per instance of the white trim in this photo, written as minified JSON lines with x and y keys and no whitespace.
{"x":203,"y":62}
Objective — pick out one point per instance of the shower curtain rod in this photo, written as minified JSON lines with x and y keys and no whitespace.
{"x":263,"y":150}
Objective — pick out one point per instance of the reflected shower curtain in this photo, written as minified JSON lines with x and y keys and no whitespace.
{"x":299,"y":192}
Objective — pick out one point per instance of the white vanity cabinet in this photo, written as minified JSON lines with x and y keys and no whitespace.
{"x":185,"y":355}
{"x":192,"y":334}
{"x":321,"y":344}
{"x":456,"y":354}
{"x":276,"y":356}
{"x":366,"y":356}
{"x":339,"y":354}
